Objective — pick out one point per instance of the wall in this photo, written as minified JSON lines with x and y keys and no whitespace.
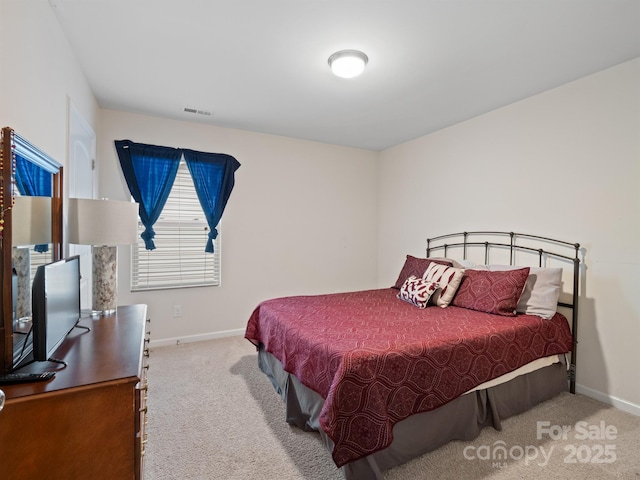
{"x":40,"y":76}
{"x":301,"y":219}
{"x":563,"y":164}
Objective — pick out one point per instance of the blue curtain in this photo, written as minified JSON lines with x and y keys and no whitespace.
{"x":150,"y":171}
{"x":213,"y":179}
{"x":33,"y":181}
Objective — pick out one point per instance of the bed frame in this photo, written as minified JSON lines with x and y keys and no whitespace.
{"x":464,"y":417}
{"x":488,"y":242}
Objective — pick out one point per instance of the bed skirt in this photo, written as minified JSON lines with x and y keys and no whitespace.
{"x":460,"y":419}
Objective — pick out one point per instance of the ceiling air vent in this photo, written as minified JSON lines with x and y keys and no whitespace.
{"x":196,"y":111}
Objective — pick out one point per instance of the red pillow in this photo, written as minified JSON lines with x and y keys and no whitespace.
{"x":491,"y":292}
{"x":415,"y":266}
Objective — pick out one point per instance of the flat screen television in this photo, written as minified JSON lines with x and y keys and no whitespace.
{"x":55,"y":301}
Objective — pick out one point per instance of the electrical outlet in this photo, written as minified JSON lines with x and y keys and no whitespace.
{"x":177,"y":310}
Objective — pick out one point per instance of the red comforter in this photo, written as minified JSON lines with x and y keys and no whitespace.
{"x":377,"y":360}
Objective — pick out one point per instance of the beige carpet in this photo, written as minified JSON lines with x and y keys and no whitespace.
{"x":214,"y":415}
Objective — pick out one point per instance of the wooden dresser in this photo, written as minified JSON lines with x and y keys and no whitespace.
{"x":89,"y":420}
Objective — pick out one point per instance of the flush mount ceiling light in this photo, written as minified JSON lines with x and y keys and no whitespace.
{"x":348,"y":63}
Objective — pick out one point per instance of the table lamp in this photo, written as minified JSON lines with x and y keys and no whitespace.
{"x":103,"y":224}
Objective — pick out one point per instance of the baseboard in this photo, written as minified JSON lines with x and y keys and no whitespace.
{"x":609,"y":400}
{"x":196,"y":338}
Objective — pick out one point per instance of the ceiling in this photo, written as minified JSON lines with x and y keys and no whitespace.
{"x":262,"y":65}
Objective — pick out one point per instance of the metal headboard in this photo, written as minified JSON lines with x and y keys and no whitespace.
{"x":519,"y":242}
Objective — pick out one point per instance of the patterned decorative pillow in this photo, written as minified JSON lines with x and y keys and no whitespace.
{"x":417,"y":291}
{"x":449,"y":279}
{"x":492,"y":292}
{"x":415,"y":266}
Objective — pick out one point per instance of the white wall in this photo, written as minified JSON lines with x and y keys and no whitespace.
{"x":39,"y":76}
{"x":301,"y":219}
{"x":563,"y":164}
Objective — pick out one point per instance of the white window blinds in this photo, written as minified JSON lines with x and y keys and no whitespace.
{"x":38,"y":259}
{"x":179,"y":259}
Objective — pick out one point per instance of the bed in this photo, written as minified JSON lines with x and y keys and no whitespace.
{"x":480,"y":329}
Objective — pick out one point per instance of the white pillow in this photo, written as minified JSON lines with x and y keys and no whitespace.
{"x":470,"y":264}
{"x":448,"y":278}
{"x":541,"y":292}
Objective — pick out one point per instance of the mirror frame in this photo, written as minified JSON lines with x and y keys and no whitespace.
{"x":13,"y":143}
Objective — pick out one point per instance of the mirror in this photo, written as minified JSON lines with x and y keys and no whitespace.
{"x":26,"y":171}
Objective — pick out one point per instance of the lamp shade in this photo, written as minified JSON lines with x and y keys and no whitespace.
{"x":102,"y":222}
{"x":31,"y":221}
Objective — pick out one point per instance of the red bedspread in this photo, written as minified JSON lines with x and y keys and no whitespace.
{"x":377,"y":360}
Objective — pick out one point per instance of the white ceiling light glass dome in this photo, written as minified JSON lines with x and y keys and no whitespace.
{"x":348,"y":63}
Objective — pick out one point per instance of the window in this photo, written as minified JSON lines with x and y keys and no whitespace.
{"x":179,"y":259}
{"x":181,"y":195}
